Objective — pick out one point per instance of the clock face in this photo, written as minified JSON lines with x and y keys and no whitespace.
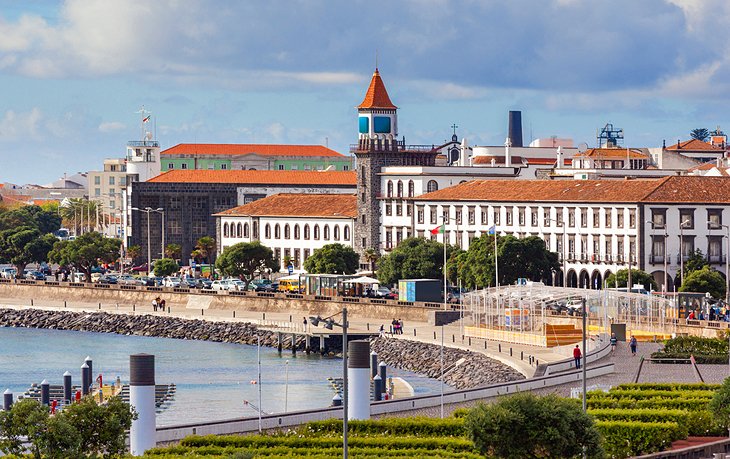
{"x":381,"y":125}
{"x":364,"y":125}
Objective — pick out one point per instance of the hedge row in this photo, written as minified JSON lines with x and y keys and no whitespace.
{"x":415,"y":427}
{"x":667,"y":386}
{"x":628,"y":438}
{"x":640,"y":415}
{"x":292,"y":441}
{"x":286,"y":451}
{"x":635,"y":394}
{"x":697,"y":345}
{"x":689,"y":404}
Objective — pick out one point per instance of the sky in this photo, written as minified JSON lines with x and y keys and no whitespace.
{"x":74,"y":74}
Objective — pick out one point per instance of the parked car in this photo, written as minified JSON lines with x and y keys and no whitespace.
{"x":202,"y":283}
{"x":224,"y":284}
{"x":171,"y":282}
{"x":108,"y":279}
{"x":8,"y":273}
{"x":36,"y":275}
{"x":260,"y":285}
{"x":141,"y":268}
{"x":98,"y":269}
{"x":238,"y":285}
{"x":189,"y":282}
{"x":127,"y":279}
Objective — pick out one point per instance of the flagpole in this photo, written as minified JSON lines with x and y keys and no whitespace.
{"x":496,"y":266}
{"x":445,"y":286}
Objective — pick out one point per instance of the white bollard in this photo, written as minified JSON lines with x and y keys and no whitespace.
{"x":142,"y":399}
{"x":358,"y":376}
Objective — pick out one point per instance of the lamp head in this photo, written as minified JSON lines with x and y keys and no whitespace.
{"x":329,"y":324}
{"x":159,"y":209}
{"x":315,"y":320}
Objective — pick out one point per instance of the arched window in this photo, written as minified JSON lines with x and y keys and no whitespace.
{"x":432,"y":186}
{"x":267,"y":231}
{"x":256,"y":230}
{"x":239,"y":230}
{"x":296,"y":231}
{"x":337,"y":232}
{"x":316,"y":231}
{"x":400,"y":189}
{"x":306,"y":231}
{"x":347,"y":233}
{"x":277,"y":232}
{"x":390,"y":189}
{"x":286,"y":231}
{"x":411,"y":189}
{"x":326,"y":232}
{"x":225,"y":230}
{"x":245,"y":230}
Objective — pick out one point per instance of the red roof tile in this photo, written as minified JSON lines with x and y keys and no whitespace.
{"x":299,"y":205}
{"x":611,"y":153}
{"x":239,"y":149}
{"x":377,"y":95}
{"x":686,"y":189}
{"x":694,"y":145}
{"x":347,"y":178}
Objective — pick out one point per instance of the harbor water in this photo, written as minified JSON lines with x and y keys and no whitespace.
{"x":214,"y":380}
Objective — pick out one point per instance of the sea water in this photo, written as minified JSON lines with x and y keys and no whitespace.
{"x":214,"y":380}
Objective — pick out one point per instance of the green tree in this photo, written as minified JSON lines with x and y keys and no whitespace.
{"x":720,"y":404}
{"x":28,"y":419}
{"x":79,"y":213}
{"x":696,"y":261}
{"x":705,"y":280}
{"x":699,"y":134}
{"x":621,"y":277}
{"x":101,"y":427}
{"x":25,"y":245}
{"x":333,"y":259}
{"x":528,"y":426}
{"x":134,"y":251}
{"x":246,"y":260}
{"x":206,"y":248}
{"x":413,"y":258}
{"x":32,"y":217}
{"x":173,"y":251}
{"x":85,"y":252}
{"x":371,"y":256}
{"x":166,"y":267}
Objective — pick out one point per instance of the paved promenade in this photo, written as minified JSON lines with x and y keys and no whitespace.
{"x":514,"y":355}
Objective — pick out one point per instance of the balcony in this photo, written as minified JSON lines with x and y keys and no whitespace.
{"x":398,"y":145}
{"x":143,"y":143}
{"x":656,"y":259}
{"x":716,"y":259}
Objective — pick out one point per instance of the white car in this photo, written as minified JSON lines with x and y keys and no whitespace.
{"x":221,"y":285}
{"x":237,"y":284}
{"x":8,"y":273}
{"x":171,"y":282}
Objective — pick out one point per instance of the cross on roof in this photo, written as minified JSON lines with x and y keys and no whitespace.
{"x":454,"y":126}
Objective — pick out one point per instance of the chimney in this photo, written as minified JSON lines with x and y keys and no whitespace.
{"x":679,"y":145}
{"x":515,"y":128}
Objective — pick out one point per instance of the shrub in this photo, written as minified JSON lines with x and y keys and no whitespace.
{"x":667,"y":386}
{"x":720,"y":404}
{"x":648,"y":394}
{"x":641,"y":415}
{"x":690,"y":404}
{"x":417,"y":427}
{"x":697,"y":345}
{"x":630,"y":438}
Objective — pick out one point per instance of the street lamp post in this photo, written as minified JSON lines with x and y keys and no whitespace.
{"x":329,"y":323}
{"x":148,"y":210}
{"x":727,"y":257}
{"x":681,"y":252}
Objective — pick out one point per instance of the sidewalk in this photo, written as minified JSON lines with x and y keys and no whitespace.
{"x":517,"y":356}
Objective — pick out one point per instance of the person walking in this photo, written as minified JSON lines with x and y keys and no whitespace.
{"x":576,"y":356}
{"x":632,"y":345}
{"x":305,"y":324}
{"x":614,"y":340}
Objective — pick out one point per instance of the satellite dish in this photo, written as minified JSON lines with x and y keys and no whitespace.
{"x":582,"y":147}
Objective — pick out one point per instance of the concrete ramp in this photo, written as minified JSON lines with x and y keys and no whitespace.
{"x":199,"y":301}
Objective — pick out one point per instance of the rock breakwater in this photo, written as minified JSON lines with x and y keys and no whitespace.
{"x":473,"y":371}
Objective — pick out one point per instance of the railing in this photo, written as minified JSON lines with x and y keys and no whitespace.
{"x":381,"y":145}
{"x":143,"y":143}
{"x":713,"y":259}
{"x":656,"y":259}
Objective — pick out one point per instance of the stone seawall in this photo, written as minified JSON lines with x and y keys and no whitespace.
{"x":422,"y":358}
{"x":462,"y":369}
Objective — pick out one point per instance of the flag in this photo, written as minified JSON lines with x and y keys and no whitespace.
{"x":492,"y":230}
{"x":147,"y":118}
{"x":438,"y":230}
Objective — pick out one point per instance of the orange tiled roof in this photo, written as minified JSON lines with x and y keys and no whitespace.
{"x":299,"y":205}
{"x":708,"y":166}
{"x":694,"y":145}
{"x":239,"y":149}
{"x":685,"y":189}
{"x":258,"y":177}
{"x":487,"y":159}
{"x":377,"y":95}
{"x":611,"y":153}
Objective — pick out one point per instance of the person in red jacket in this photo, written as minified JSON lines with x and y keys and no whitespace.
{"x":577,"y":355}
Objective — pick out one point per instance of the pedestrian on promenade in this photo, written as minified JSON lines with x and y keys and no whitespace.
{"x":614,"y":340}
{"x":162,"y":304}
{"x":400,"y":326}
{"x":305,"y":324}
{"x":382,"y":330}
{"x":576,"y":356}
{"x":393,"y":327}
{"x":632,"y":345}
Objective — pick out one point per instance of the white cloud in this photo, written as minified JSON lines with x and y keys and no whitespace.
{"x":111,"y":126}
{"x":19,"y":126}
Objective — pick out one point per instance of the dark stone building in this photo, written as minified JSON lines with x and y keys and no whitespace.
{"x":378,"y":146}
{"x":189,"y":198}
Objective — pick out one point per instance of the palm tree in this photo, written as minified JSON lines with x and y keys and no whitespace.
{"x":173,"y":251}
{"x":134,"y":251}
{"x":206,"y":247}
{"x":371,"y":256}
{"x":78,"y":214}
